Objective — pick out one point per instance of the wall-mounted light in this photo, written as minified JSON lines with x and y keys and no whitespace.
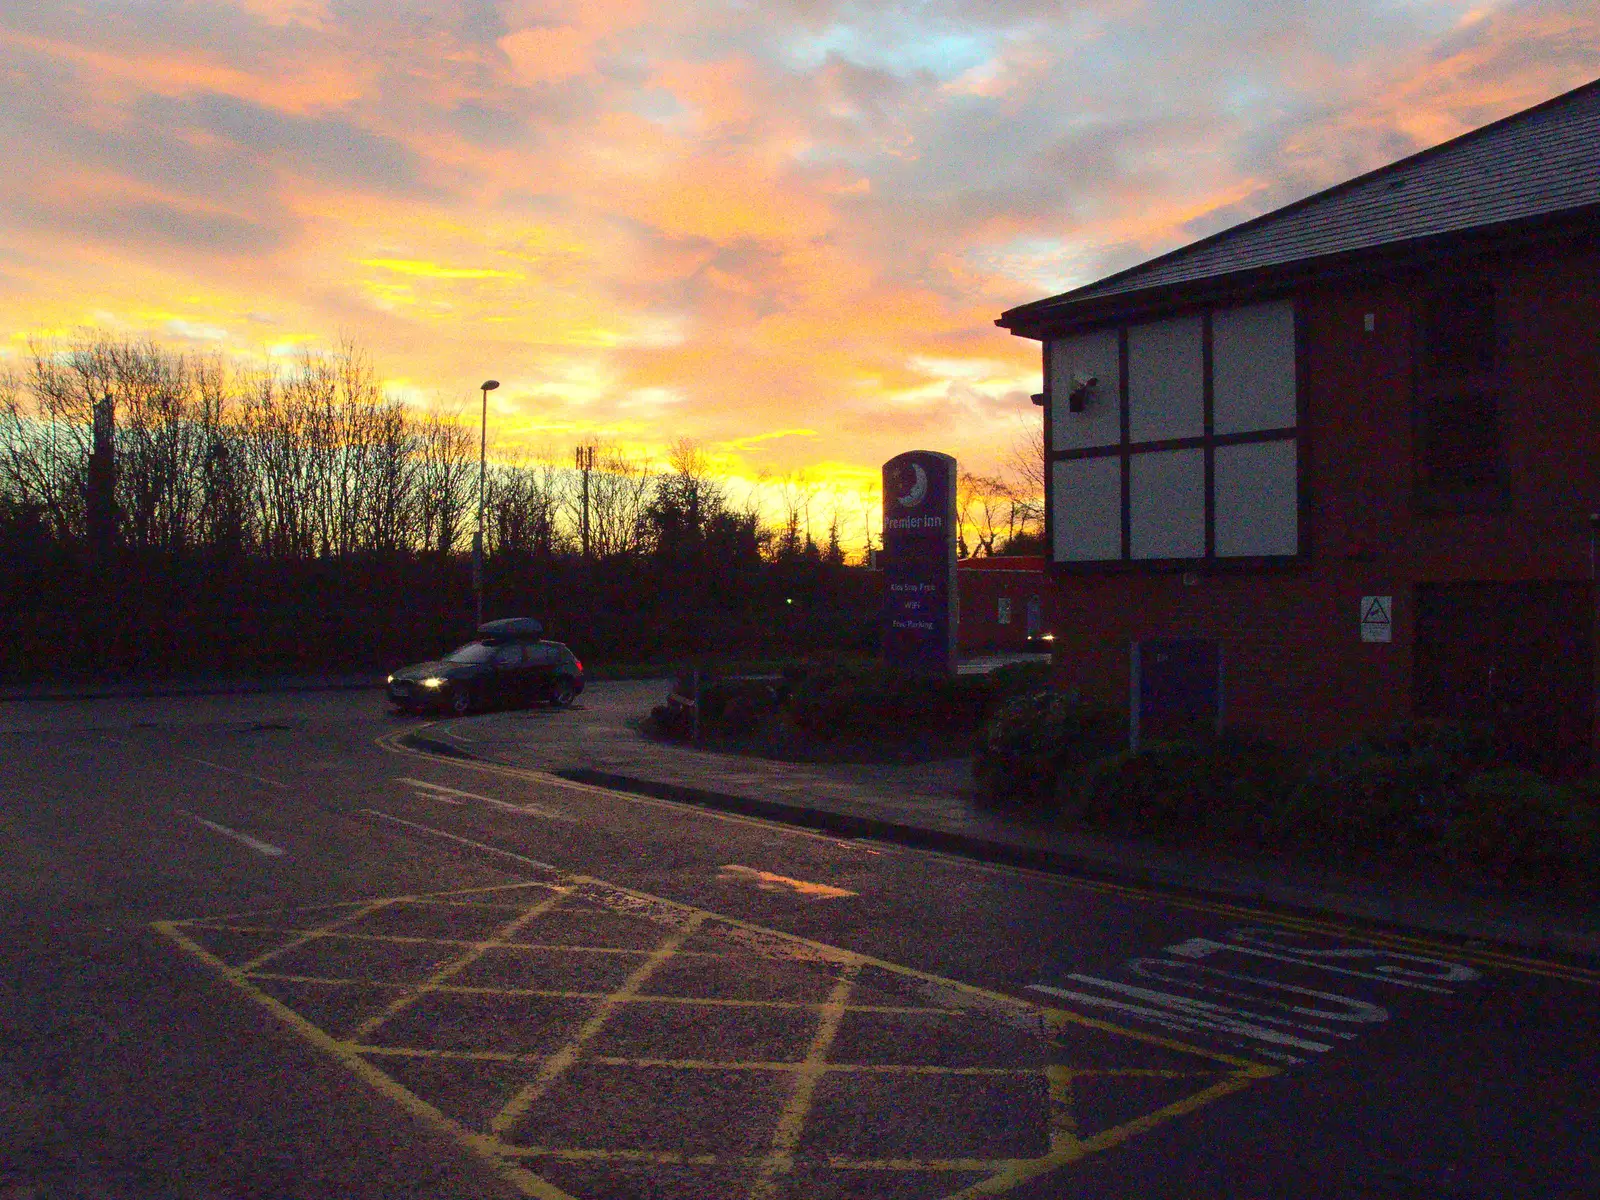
{"x":1078,"y":396}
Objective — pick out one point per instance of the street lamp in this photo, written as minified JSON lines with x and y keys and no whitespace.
{"x":487,"y":386}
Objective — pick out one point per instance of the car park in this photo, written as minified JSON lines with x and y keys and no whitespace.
{"x":509,"y":665}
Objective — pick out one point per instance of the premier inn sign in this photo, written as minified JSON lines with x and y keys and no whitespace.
{"x":919,"y":561}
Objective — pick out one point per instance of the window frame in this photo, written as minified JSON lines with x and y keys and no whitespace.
{"x":1208,"y":441}
{"x":1428,"y":394}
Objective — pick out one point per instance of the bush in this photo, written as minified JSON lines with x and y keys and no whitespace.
{"x":1392,"y":791}
{"x":673,"y":721}
{"x":1018,"y":679}
{"x":1033,"y":737}
{"x":1519,"y":826}
{"x":738,"y":705}
{"x":1219,"y":787}
{"x":846,"y":700}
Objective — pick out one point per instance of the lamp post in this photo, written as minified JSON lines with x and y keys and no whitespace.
{"x":487,"y":386}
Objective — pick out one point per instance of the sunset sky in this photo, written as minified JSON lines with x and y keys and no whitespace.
{"x":783,"y":228}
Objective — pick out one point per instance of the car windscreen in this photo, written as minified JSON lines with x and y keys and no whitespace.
{"x":472,"y":652}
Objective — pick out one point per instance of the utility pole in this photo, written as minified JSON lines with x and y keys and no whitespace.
{"x":102,"y":504}
{"x":583,"y":458}
{"x":487,"y":386}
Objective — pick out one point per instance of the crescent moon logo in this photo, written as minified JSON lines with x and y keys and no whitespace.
{"x":919,"y":489}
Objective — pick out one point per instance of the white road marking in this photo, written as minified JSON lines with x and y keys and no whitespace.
{"x":1186,"y":1015}
{"x":1196,"y":948}
{"x":206,"y":762}
{"x":1446,"y":972}
{"x":436,"y":796}
{"x":1188,"y":970}
{"x":768,"y":882}
{"x":523,"y":858}
{"x":1181,"y":973}
{"x":437,"y":791}
{"x":256,"y":844}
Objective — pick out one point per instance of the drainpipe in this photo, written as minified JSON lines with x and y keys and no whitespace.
{"x":1594,"y":625}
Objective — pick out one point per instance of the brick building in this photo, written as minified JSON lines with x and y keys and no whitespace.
{"x":1007,"y":603}
{"x":1353,"y":445}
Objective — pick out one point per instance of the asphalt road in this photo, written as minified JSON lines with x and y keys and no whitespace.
{"x":252,"y":947}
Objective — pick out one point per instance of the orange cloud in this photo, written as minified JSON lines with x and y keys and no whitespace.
{"x":294,"y":87}
{"x":549,"y":54}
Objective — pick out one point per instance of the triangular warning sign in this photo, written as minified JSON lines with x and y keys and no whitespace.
{"x":1375,"y":610}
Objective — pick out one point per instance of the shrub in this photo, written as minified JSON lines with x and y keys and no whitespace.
{"x":1194,"y":786}
{"x":1391,"y":791}
{"x":1018,"y":679}
{"x":673,"y":721}
{"x":1519,"y":826}
{"x":840,"y":700}
{"x":737,"y":705}
{"x":1033,"y":737}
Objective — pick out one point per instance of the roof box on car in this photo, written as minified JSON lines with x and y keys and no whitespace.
{"x":512,"y":627}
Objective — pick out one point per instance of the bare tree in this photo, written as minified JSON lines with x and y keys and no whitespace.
{"x":986,"y":507}
{"x":49,"y":440}
{"x":620,"y":490}
{"x":1026,"y":474}
{"x":446,"y":484}
{"x":41,"y":462}
{"x":159,"y":440}
{"x":797,"y":494}
{"x":525,"y":502}
{"x":872,"y":517}
{"x":224,"y":517}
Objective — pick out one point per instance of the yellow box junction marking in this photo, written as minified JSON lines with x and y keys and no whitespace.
{"x":262,"y":954}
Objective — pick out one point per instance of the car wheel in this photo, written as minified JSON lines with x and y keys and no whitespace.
{"x":563,"y":692}
{"x":462,"y":701}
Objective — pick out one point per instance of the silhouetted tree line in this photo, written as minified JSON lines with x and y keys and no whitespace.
{"x":164,"y":512}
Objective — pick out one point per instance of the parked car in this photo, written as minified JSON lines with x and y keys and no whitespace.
{"x":509,"y":665}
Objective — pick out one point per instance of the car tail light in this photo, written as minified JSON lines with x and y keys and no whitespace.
{"x":578,"y":663}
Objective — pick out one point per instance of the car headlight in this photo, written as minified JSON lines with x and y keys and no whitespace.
{"x":435,"y":681}
{"x":390,"y":679}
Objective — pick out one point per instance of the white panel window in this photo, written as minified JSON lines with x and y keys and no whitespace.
{"x":1167,"y":504}
{"x":1088,"y":356}
{"x":1166,"y":380}
{"x":1086,"y":509}
{"x":1252,"y":368}
{"x":1257,"y":499}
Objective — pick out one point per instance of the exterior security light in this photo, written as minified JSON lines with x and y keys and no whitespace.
{"x":1078,"y":397}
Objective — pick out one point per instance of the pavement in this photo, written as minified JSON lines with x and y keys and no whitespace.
{"x":933,"y":805}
